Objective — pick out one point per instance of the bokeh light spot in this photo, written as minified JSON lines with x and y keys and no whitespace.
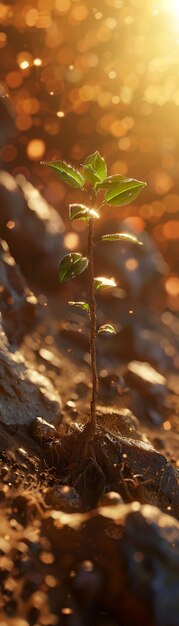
{"x":36,"y":149}
{"x":172,"y":286}
{"x":71,"y":240}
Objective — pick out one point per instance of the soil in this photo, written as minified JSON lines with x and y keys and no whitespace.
{"x":89,"y":520}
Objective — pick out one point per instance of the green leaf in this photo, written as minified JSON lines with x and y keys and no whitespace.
{"x":95,"y":168}
{"x":82,"y":212}
{"x":111,"y":180}
{"x":121,"y":237}
{"x":71,"y":266}
{"x":124,"y":192}
{"x":106,"y":329}
{"x":79,"y":305}
{"x":67,"y":173}
{"x":101,"y":282}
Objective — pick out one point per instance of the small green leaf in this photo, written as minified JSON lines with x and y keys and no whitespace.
{"x":124,"y":192}
{"x":121,"y":237}
{"x":71,"y":266}
{"x":82,"y":212}
{"x":67,"y":173}
{"x":106,"y":329}
{"x":79,"y":305}
{"x":95,"y":168}
{"x":101,"y":282}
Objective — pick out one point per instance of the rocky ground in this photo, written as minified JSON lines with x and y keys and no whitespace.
{"x":92,"y":540}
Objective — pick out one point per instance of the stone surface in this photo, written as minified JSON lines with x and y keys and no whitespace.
{"x":25,"y":394}
{"x":7,"y":125}
{"x":136,"y":266}
{"x":146,"y":379}
{"x":18,"y":305}
{"x":135,"y":341}
{"x":135,"y":550}
{"x":148,"y":389}
{"x":150,"y":545}
{"x":32,"y":228}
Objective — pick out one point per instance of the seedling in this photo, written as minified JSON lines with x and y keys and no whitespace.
{"x":101,"y":190}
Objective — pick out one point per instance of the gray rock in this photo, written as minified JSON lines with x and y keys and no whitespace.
{"x":7,"y":125}
{"x":147,"y":380}
{"x":18,"y":305}
{"x":150,"y":545}
{"x":25,"y":394}
{"x":32,"y":228}
{"x":138,"y":267}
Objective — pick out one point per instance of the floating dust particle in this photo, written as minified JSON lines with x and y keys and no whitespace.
{"x":24,"y":65}
{"x":37,"y":62}
{"x":60,"y":114}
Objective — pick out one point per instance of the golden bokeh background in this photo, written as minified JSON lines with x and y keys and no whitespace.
{"x":81,"y":75}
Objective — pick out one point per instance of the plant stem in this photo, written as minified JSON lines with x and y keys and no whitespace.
{"x":92,"y":303}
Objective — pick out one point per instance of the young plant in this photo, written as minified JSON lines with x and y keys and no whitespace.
{"x":117,"y":190}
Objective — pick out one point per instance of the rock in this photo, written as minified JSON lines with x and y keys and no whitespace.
{"x":154,"y":416}
{"x":6,"y":116}
{"x":110,"y":499}
{"x":43,"y":430}
{"x":136,"y":342}
{"x":32,"y":229}
{"x":88,"y":581}
{"x":18,"y":305}
{"x":64,"y":498}
{"x":148,"y":391}
{"x":110,"y":386}
{"x":137,"y":267}
{"x":74,"y":332}
{"x":147,"y":380}
{"x":25,"y":394}
{"x":150,"y":545}
{"x":132,"y":553}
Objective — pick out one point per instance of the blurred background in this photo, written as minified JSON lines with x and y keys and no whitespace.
{"x":79,"y":76}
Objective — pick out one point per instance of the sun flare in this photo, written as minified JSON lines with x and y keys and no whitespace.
{"x":175,"y":7}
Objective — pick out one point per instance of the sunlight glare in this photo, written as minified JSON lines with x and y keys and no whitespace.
{"x":175,"y":7}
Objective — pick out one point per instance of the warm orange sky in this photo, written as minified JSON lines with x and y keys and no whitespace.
{"x":80,"y":76}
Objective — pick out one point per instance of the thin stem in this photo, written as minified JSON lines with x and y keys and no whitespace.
{"x":92,"y":303}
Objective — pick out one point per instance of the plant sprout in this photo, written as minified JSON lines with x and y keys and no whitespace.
{"x":116,"y":191}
